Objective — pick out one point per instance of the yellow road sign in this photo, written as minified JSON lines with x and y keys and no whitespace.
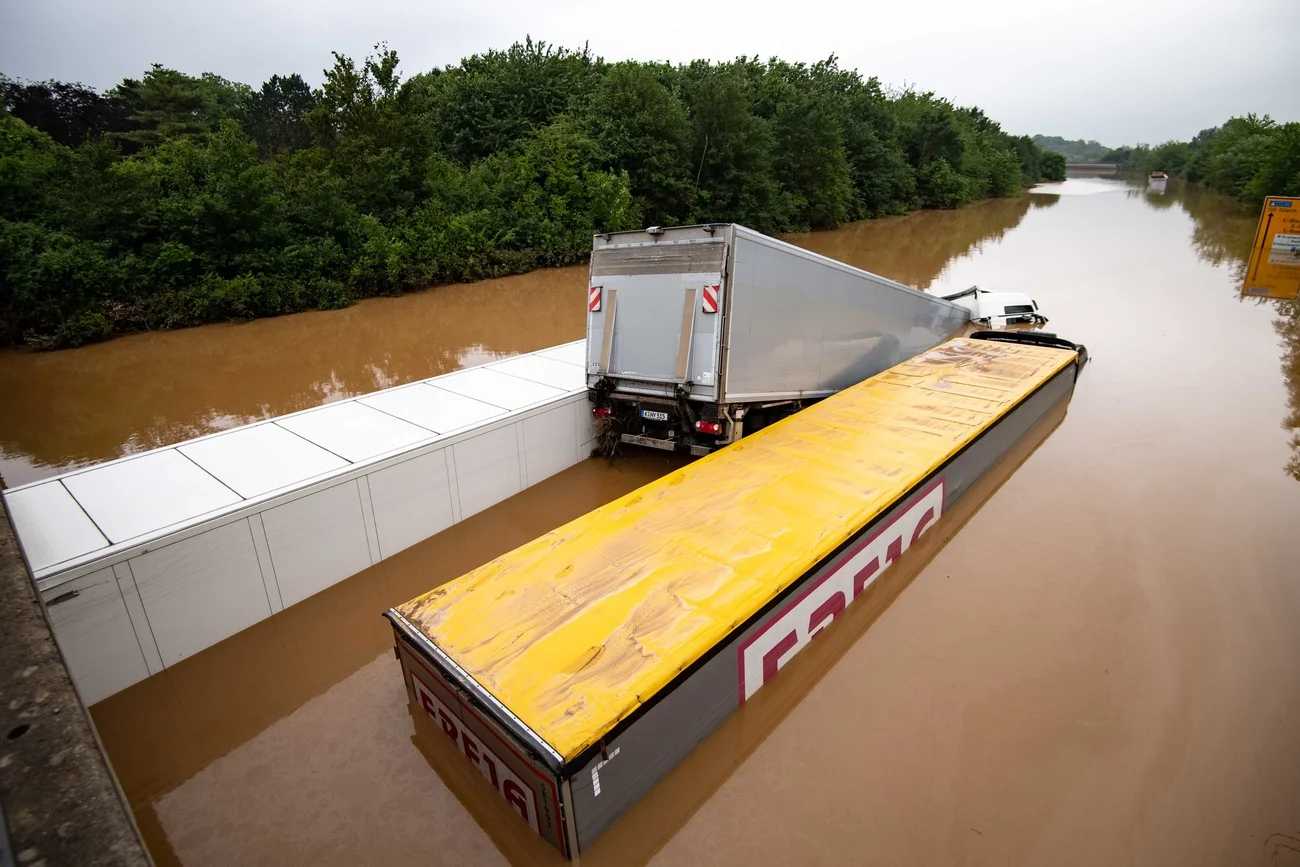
{"x":1274,"y":270}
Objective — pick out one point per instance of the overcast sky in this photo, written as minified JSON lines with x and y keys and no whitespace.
{"x":1126,"y":71}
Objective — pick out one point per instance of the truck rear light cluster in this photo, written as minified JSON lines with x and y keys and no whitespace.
{"x":601,"y":412}
{"x":709,"y":427}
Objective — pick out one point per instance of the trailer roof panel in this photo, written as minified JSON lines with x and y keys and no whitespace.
{"x":261,"y":458}
{"x":53,"y":528}
{"x":547,"y":371}
{"x":137,"y":496}
{"x":431,"y":407}
{"x":354,"y":431}
{"x":574,"y":631}
{"x":500,"y":389}
{"x":572,"y":353}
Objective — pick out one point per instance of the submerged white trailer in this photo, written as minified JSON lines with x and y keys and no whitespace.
{"x":147,"y":560}
{"x":699,"y":334}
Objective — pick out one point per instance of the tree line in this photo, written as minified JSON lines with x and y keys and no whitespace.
{"x":1248,"y":158}
{"x":175,"y":200}
{"x":1074,"y":150}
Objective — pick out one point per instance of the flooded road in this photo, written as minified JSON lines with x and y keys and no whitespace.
{"x":1102,"y":666}
{"x":84,"y":406}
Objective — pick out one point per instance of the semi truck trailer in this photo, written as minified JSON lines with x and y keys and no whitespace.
{"x":697,"y":335}
{"x":577,"y":670}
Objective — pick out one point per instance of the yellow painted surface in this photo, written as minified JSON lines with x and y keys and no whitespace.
{"x":575,"y":629}
{"x":1274,"y":269}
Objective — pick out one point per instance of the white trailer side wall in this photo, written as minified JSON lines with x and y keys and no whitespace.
{"x":128,"y":607}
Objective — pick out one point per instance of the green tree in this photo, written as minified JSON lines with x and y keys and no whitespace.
{"x":68,"y":113}
{"x":1052,"y":166}
{"x":276,"y":115}
{"x":884,"y":182}
{"x":643,"y":130}
{"x":810,"y":163}
{"x":375,"y":145}
{"x":175,"y":199}
{"x":492,"y":101}
{"x":1171,"y":157}
{"x":731,"y":151}
{"x":553,"y":196}
{"x":167,"y":104}
{"x":1278,"y":173}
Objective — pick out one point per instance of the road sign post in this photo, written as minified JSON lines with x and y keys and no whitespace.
{"x":1274,"y":269}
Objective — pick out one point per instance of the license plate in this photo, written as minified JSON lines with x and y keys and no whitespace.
{"x":654,"y":415}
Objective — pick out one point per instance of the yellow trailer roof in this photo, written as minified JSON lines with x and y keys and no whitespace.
{"x":574,"y":630}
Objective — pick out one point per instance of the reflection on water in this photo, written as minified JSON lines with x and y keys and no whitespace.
{"x":322,"y":722}
{"x":1103,"y":667}
{"x":1288,"y":328}
{"x":917,"y":248}
{"x":1222,"y":233}
{"x":639,"y":834}
{"x":279,"y":744}
{"x":1078,"y":186}
{"x":75,"y":407}
{"x":1223,"y":229}
{"x":100,"y":402}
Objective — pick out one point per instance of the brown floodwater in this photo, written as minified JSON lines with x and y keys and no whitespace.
{"x":83,"y":406}
{"x":1097,"y":662}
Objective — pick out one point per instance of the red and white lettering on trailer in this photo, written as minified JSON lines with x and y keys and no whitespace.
{"x":593,"y":299}
{"x":710,"y":299}
{"x":489,"y":764}
{"x":804,"y":617}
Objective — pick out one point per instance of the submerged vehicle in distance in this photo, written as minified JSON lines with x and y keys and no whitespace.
{"x":998,"y":309}
{"x":698,"y":335}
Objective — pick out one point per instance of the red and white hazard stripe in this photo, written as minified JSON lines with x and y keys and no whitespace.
{"x":593,"y":299}
{"x":710,"y":299}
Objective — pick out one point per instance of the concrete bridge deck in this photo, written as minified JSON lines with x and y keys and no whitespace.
{"x":151,"y":558}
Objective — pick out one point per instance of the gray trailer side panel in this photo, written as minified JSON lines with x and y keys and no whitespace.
{"x":802,"y":325}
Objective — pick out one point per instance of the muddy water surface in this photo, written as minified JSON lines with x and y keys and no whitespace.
{"x":1101,"y":667}
{"x":83,"y":406}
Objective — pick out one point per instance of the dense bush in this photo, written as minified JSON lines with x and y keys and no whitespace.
{"x":1248,"y":157}
{"x":174,"y":200}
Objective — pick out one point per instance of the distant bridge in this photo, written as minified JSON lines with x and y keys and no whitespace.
{"x":1093,"y":168}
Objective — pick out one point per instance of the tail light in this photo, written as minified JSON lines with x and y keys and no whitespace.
{"x":709,"y":427}
{"x":601,"y":412}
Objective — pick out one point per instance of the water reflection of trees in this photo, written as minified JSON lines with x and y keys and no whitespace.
{"x":140,"y":392}
{"x":1288,"y":328}
{"x":1222,"y":233}
{"x":916,"y":248}
{"x":1221,"y":230}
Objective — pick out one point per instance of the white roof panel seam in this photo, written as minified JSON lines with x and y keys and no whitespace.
{"x":433,"y":432}
{"x":522,"y":394}
{"x":205,"y":470}
{"x":312,"y":442}
{"x":467,"y":397}
{"x":77,"y":566}
{"x":265,"y":421}
{"x":87,"y":514}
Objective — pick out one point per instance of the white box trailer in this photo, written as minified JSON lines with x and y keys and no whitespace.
{"x":699,"y":334}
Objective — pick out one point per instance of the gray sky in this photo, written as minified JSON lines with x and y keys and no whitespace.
{"x":1126,"y":71}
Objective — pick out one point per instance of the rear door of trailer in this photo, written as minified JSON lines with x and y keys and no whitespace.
{"x":655,"y":311}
